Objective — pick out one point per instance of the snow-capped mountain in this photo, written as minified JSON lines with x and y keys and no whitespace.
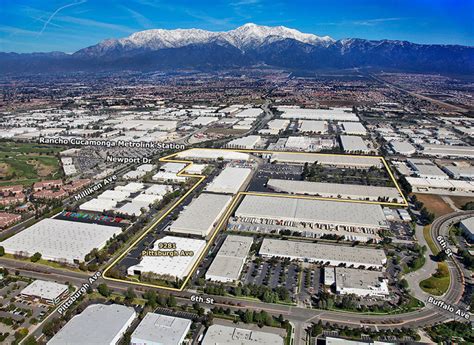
{"x":248,"y":36}
{"x":245,"y":46}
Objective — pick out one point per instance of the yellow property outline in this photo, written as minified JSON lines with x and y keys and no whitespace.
{"x":201,"y":178}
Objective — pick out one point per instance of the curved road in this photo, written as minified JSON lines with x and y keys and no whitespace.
{"x":426,"y":316}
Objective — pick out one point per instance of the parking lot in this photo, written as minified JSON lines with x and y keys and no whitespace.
{"x":272,"y":273}
{"x":16,"y":313}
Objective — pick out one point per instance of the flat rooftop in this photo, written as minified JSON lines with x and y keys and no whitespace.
{"x":171,"y":266}
{"x":330,"y":160}
{"x":202,"y":214}
{"x":97,"y":324}
{"x":219,"y":334}
{"x":210,"y":154}
{"x":161,"y":329}
{"x":312,"y":211}
{"x":60,"y":240}
{"x":352,"y":191}
{"x":45,"y":289}
{"x":323,"y":252}
{"x":230,"y":259}
{"x":230,"y":180}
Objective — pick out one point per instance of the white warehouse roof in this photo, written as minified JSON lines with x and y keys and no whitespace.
{"x":230,"y":259}
{"x":228,"y":335}
{"x":97,"y":324}
{"x":334,"y":190}
{"x":171,"y":266}
{"x":352,"y":143}
{"x":230,"y":180}
{"x":316,"y":252}
{"x":161,"y":329}
{"x":201,"y":215}
{"x":248,"y":142}
{"x":312,"y":211}
{"x":45,"y":289}
{"x":212,"y":154}
{"x":335,"y":114}
{"x":60,"y":240}
{"x":330,"y":160}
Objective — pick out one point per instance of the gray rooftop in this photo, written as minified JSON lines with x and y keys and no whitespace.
{"x":161,"y":329}
{"x":218,"y":334}
{"x":97,"y":324}
{"x":322,"y":252}
{"x":312,"y":211}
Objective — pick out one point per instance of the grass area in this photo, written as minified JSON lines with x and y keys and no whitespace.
{"x":418,"y":263}
{"x":429,"y":239}
{"x":42,"y":262}
{"x":25,"y":163}
{"x":435,"y":204}
{"x":439,"y":282}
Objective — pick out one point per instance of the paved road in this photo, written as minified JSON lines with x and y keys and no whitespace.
{"x":299,"y":316}
{"x":430,"y":266}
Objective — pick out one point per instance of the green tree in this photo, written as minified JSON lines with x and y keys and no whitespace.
{"x":36,"y":257}
{"x":2,"y":251}
{"x":104,"y":290}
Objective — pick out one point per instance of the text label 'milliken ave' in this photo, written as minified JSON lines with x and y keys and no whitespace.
{"x":96,"y":187}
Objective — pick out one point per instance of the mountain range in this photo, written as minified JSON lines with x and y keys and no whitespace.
{"x":246,"y":46}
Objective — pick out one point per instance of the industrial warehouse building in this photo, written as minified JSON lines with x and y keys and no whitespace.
{"x":248,"y":142}
{"x":230,"y":259}
{"x":338,"y":161}
{"x":467,"y":226}
{"x":97,"y":324}
{"x":336,"y":190}
{"x":158,"y":329}
{"x":178,"y":265}
{"x":201,"y":215}
{"x":60,"y":240}
{"x":332,"y":255}
{"x":229,"y":181}
{"x":352,"y":143}
{"x":213,"y":155}
{"x":347,"y":281}
{"x":308,"y":213}
{"x":45,"y":292}
{"x":220,"y":334}
{"x":403,"y":147}
{"x":354,"y":128}
{"x":318,"y":127}
{"x":335,"y":114}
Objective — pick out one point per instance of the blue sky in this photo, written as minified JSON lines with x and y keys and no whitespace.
{"x":68,"y":25}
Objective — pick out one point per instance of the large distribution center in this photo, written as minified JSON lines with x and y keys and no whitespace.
{"x":230,"y":180}
{"x":295,"y":212}
{"x":230,"y":259}
{"x":219,"y":334}
{"x":340,"y":161}
{"x":177,"y":265}
{"x":325,"y":253}
{"x":335,"y":190}
{"x":60,"y":240}
{"x":201,"y":216}
{"x":336,"y":114}
{"x":158,"y":329}
{"x":97,"y":324}
{"x":211,"y":154}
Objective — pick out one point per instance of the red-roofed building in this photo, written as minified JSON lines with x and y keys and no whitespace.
{"x":8,"y":219}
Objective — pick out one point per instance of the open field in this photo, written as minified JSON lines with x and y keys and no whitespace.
{"x":27,"y":163}
{"x":435,"y":204}
{"x":439,"y":282}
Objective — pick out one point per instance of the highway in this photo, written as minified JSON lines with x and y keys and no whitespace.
{"x":301,"y":317}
